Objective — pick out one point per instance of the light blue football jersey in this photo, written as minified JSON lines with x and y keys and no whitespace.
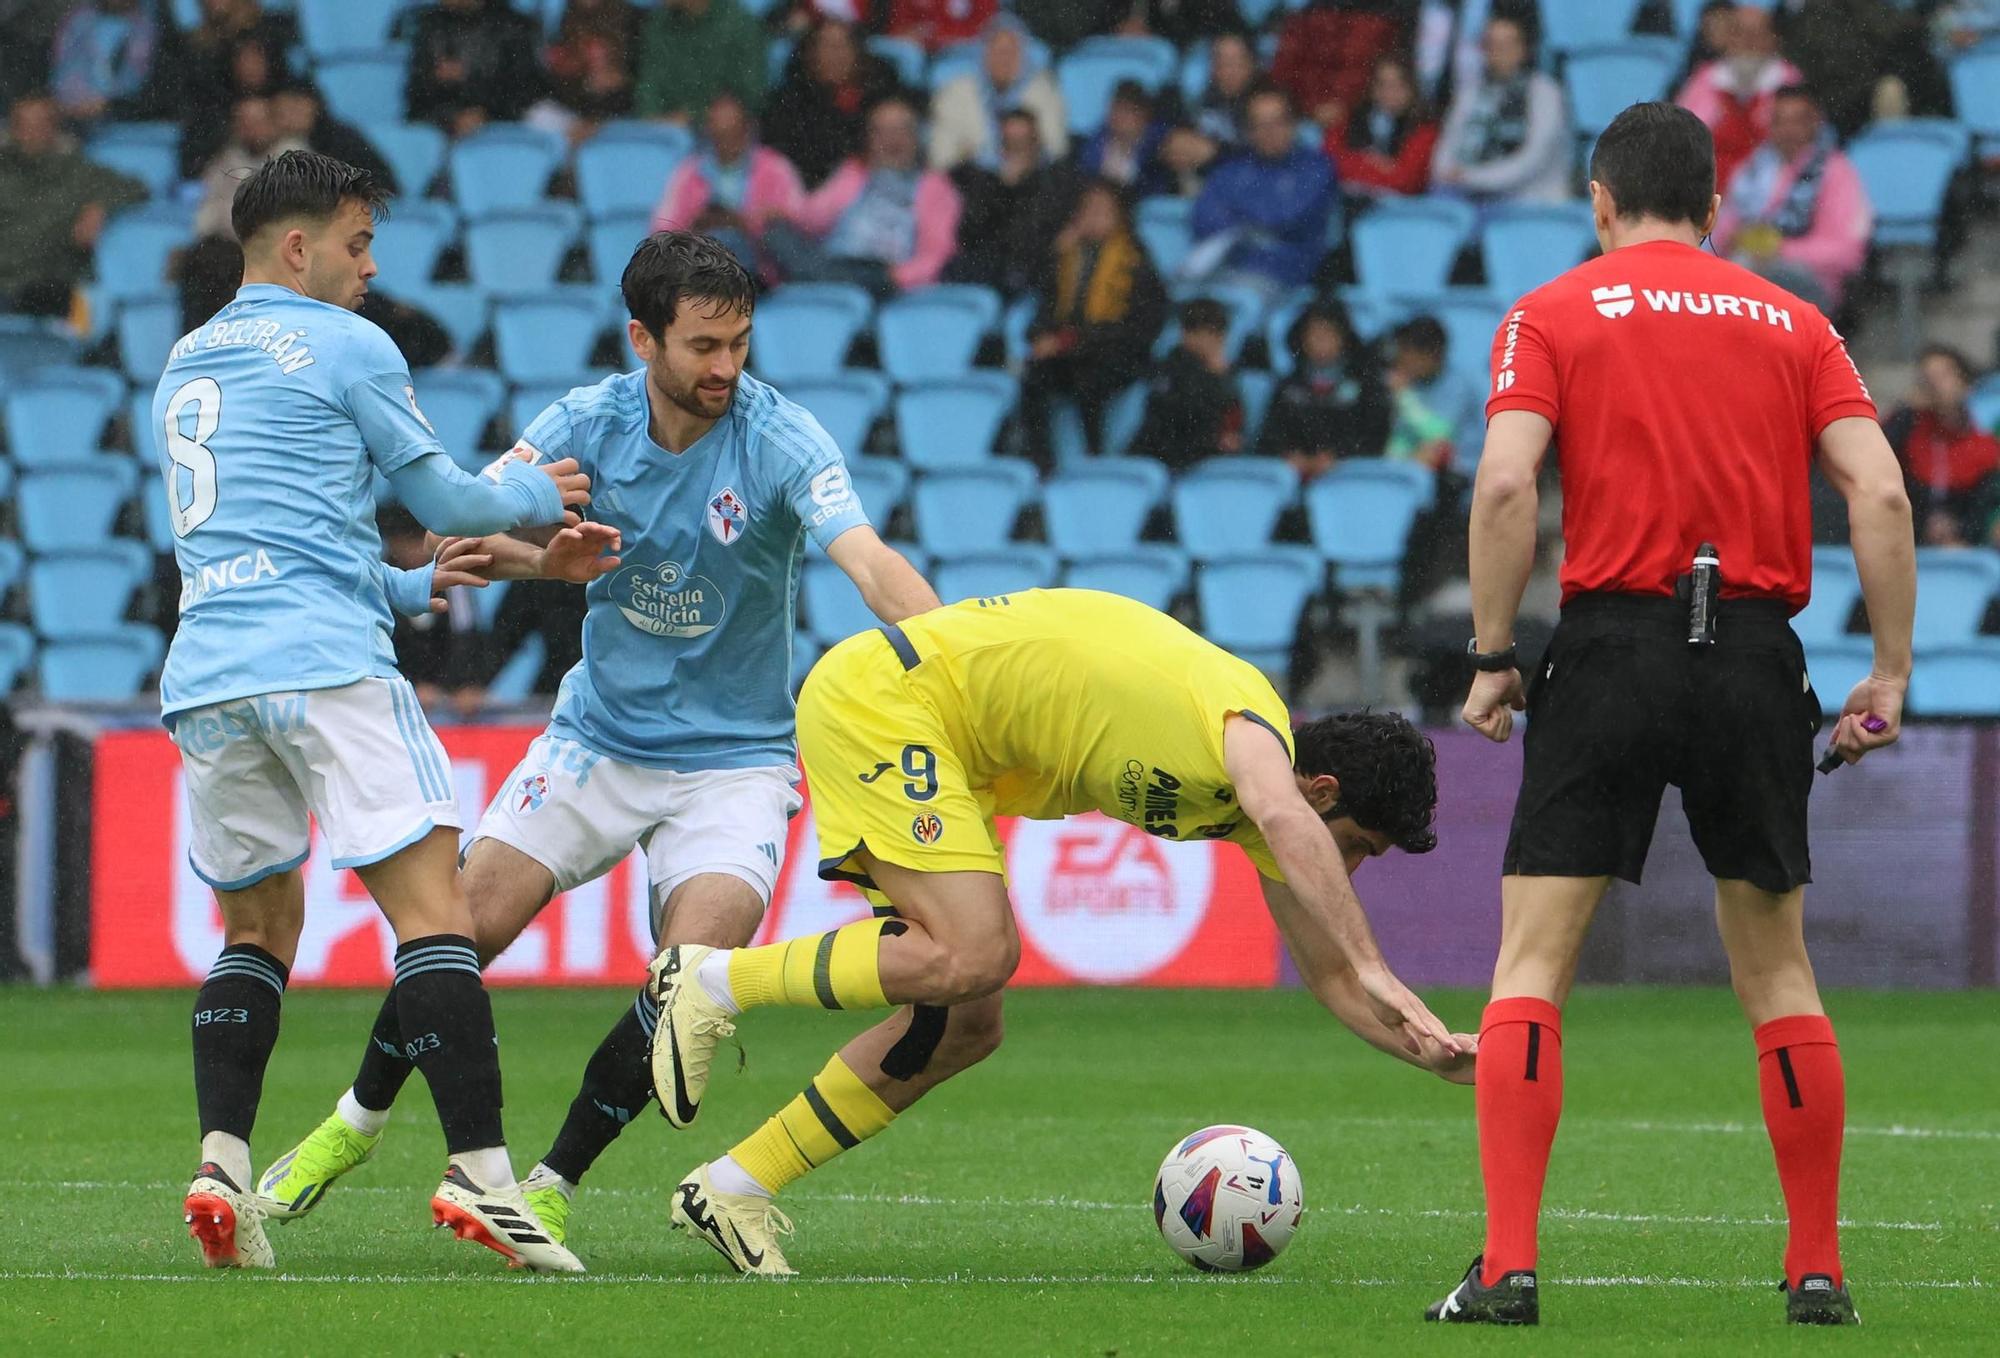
{"x":687,"y":646}
{"x":270,"y":419}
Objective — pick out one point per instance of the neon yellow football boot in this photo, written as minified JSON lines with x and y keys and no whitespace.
{"x":296,"y":1181}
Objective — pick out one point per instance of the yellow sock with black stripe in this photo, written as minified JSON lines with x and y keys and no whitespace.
{"x":836,"y":1112}
{"x":839,"y":969}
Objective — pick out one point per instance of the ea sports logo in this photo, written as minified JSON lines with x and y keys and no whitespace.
{"x":1613,"y":302}
{"x":1104,"y":900}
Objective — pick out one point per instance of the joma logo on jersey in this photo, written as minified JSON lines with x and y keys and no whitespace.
{"x":728,"y":516}
{"x":221,"y":575}
{"x":666,"y":601}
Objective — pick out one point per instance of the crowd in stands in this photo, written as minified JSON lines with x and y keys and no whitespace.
{"x":1176,"y":235}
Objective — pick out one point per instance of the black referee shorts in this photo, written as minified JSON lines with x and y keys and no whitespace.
{"x":1621,"y":706}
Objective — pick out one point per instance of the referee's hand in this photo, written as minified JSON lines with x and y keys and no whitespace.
{"x":1495,"y":698}
{"x":1871,"y":717}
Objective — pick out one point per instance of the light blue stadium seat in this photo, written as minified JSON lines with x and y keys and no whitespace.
{"x":59,"y":414}
{"x":159,"y":523}
{"x":152,"y":162}
{"x":611,"y":241}
{"x":13,"y":561}
{"x":503,"y":166}
{"x":1101,"y":510}
{"x":1571,"y":24}
{"x":17,"y":652}
{"x":415,"y":151}
{"x":133,"y":252}
{"x":1957,"y":681}
{"x":410,"y":241}
{"x":1015,"y":323}
{"x":1975,"y":88}
{"x":340,"y":26}
{"x":30,"y":343}
{"x":1836,"y":588}
{"x":1470,"y":318}
{"x":990,"y":575}
{"x":1087,"y":79}
{"x":104,"y":669}
{"x":542,"y":338}
{"x":365,"y":88}
{"x":463,"y":310}
{"x":1407,"y":245}
{"x":962,"y":58}
{"x":1122,"y":419}
{"x":1228,"y":505}
{"x":799,"y":333}
{"x":520,"y":250}
{"x":626,"y":169}
{"x":847,"y":405}
{"x":1152,"y":572}
{"x":935,"y":332}
{"x":953,"y":423}
{"x":1251,"y":603}
{"x":1954,"y":588}
{"x":1984,"y":402}
{"x":1157,"y":52}
{"x":139,"y":424}
{"x":1835,"y":667}
{"x":1360,"y":514}
{"x":1255,"y":389}
{"x":1245,"y":306}
{"x":832,"y":606}
{"x":460,"y":403}
{"x":882,"y":483}
{"x":971,"y":509}
{"x":81,"y":594}
{"x":1165,"y":226}
{"x":74,"y":506}
{"x":1605,"y":81}
{"x":530,"y":399}
{"x":148,"y":329}
{"x":909,"y":58}
{"x":514,"y":681}
{"x":1906,"y":168}
{"x":1527,"y":244}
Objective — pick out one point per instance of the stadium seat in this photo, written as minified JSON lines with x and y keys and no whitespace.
{"x":459,"y":403}
{"x":81,"y":594}
{"x":1101,"y":510}
{"x":104,"y":669}
{"x":1525,"y":245}
{"x":30,"y":343}
{"x":1122,"y":418}
{"x":1153,"y":573}
{"x":1158,"y":52}
{"x":610,"y":242}
{"x":908,"y":57}
{"x":1957,"y":681}
{"x":882,"y":483}
{"x":1568,"y":25}
{"x":1087,"y":79}
{"x":520,"y":250}
{"x":626,"y":169}
{"x":1251,"y":603}
{"x":13,"y":561}
{"x":330,"y":27}
{"x":1605,"y":81}
{"x":1975,"y":88}
{"x":415,"y":152}
{"x":529,"y":400}
{"x":1228,"y":505}
{"x":59,"y":414}
{"x":1470,"y":319}
{"x":1166,"y":228}
{"x":365,"y":88}
{"x":460,"y":308}
{"x":1954,"y":588}
{"x":410,"y":241}
{"x":833,"y":607}
{"x":1255,"y":389}
{"x":133,"y":252}
{"x":148,"y":329}
{"x":503,"y":166}
{"x":963,"y":58}
{"x":1906,"y":168}
{"x":152,"y":162}
{"x":799,"y":334}
{"x":847,"y":405}
{"x":539,"y":339}
{"x":1835,"y":667}
{"x":953,"y":423}
{"x":1836,"y":588}
{"x":970,"y":509}
{"x":17,"y":651}
{"x":514,"y":681}
{"x":76,"y":506}
{"x":1245,"y":306}
{"x":1408,"y":245}
{"x":935,"y":332}
{"x":990,"y":575}
{"x":1984,"y":402}
{"x":1360,"y":514}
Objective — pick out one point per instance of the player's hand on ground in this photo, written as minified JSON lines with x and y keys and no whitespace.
{"x":1398,"y":1008}
{"x":1495,"y":698}
{"x":581,"y":553}
{"x":1459,"y":1067}
{"x":568,"y":475}
{"x":460,"y":561}
{"x":1871,"y":718}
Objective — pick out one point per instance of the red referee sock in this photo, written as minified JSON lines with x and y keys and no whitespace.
{"x":1805,"y":1111}
{"x":1520,"y":1094}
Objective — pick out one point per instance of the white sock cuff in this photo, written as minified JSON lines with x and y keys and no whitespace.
{"x":730,"y":1177}
{"x":713,"y":977}
{"x":367,"y":1121}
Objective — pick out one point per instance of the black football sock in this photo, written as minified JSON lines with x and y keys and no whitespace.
{"x":447,"y":1027}
{"x":385,"y":1065}
{"x":616,"y":1085}
{"x":235,"y":1028}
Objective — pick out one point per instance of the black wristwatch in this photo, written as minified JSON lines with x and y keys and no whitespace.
{"x":1491,"y":662}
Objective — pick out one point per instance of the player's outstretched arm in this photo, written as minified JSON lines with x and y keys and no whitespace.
{"x":1260,"y":769}
{"x":512,"y":495}
{"x":889,"y":584}
{"x":577,"y":554}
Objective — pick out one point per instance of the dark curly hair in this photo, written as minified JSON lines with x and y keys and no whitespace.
{"x":1387,"y":770}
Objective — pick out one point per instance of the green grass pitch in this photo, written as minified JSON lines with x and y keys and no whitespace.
{"x":1010,"y":1213}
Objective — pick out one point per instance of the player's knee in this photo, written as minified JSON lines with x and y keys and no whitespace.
{"x":972,"y":1037}
{"x":975,"y":972}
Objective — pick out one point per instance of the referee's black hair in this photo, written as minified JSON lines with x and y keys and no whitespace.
{"x":302,"y":184}
{"x":1657,"y":160}
{"x":1387,"y":770}
{"x":671,"y":267}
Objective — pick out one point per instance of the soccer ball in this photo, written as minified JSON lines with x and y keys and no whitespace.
{"x":1228,"y":1199}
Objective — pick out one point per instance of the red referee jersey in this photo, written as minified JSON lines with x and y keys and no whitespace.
{"x":1686,"y":393}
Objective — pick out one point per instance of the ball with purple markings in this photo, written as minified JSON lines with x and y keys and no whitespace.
{"x":1228,"y":1199}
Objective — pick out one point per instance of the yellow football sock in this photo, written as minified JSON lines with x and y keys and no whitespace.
{"x":839,"y":969}
{"x":835,"y":1113}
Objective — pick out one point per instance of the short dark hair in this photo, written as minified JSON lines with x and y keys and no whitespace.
{"x":1953,"y":355}
{"x":1657,"y":160}
{"x":670,"y":267}
{"x":1331,"y":311}
{"x":1263,"y":88}
{"x":1387,"y":770}
{"x":1425,"y":334}
{"x":1132,"y":92}
{"x":1204,"y":313}
{"x":302,"y":184}
{"x":1796,"y":91}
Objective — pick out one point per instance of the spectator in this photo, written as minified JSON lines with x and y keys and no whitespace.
{"x":940,"y":23}
{"x":250,"y":64}
{"x":590,"y":62}
{"x":1101,"y":306}
{"x":1010,"y":212}
{"x":1384,"y":146}
{"x":447,"y":657}
{"x":1951,"y":465}
{"x":1734,"y":93}
{"x":1332,"y":404}
{"x":694,"y":49}
{"x":1711,"y":36}
{"x":253,"y":139}
{"x":965,"y":113}
{"x":53,"y":206}
{"x":1440,"y":418}
{"x":1193,"y":408}
{"x":731,"y":187}
{"x":203,"y":60}
{"x":1327,"y":49}
{"x":472,"y":62}
{"x":301,"y":116}
{"x":1262,"y":215}
{"x":104,"y":58}
{"x":1126,"y":150}
{"x":881,"y":220}
{"x":1214,"y":125}
{"x":1849,"y":48}
{"x":1507,"y":137}
{"x":1796,"y":211}
{"x":816,"y":115}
